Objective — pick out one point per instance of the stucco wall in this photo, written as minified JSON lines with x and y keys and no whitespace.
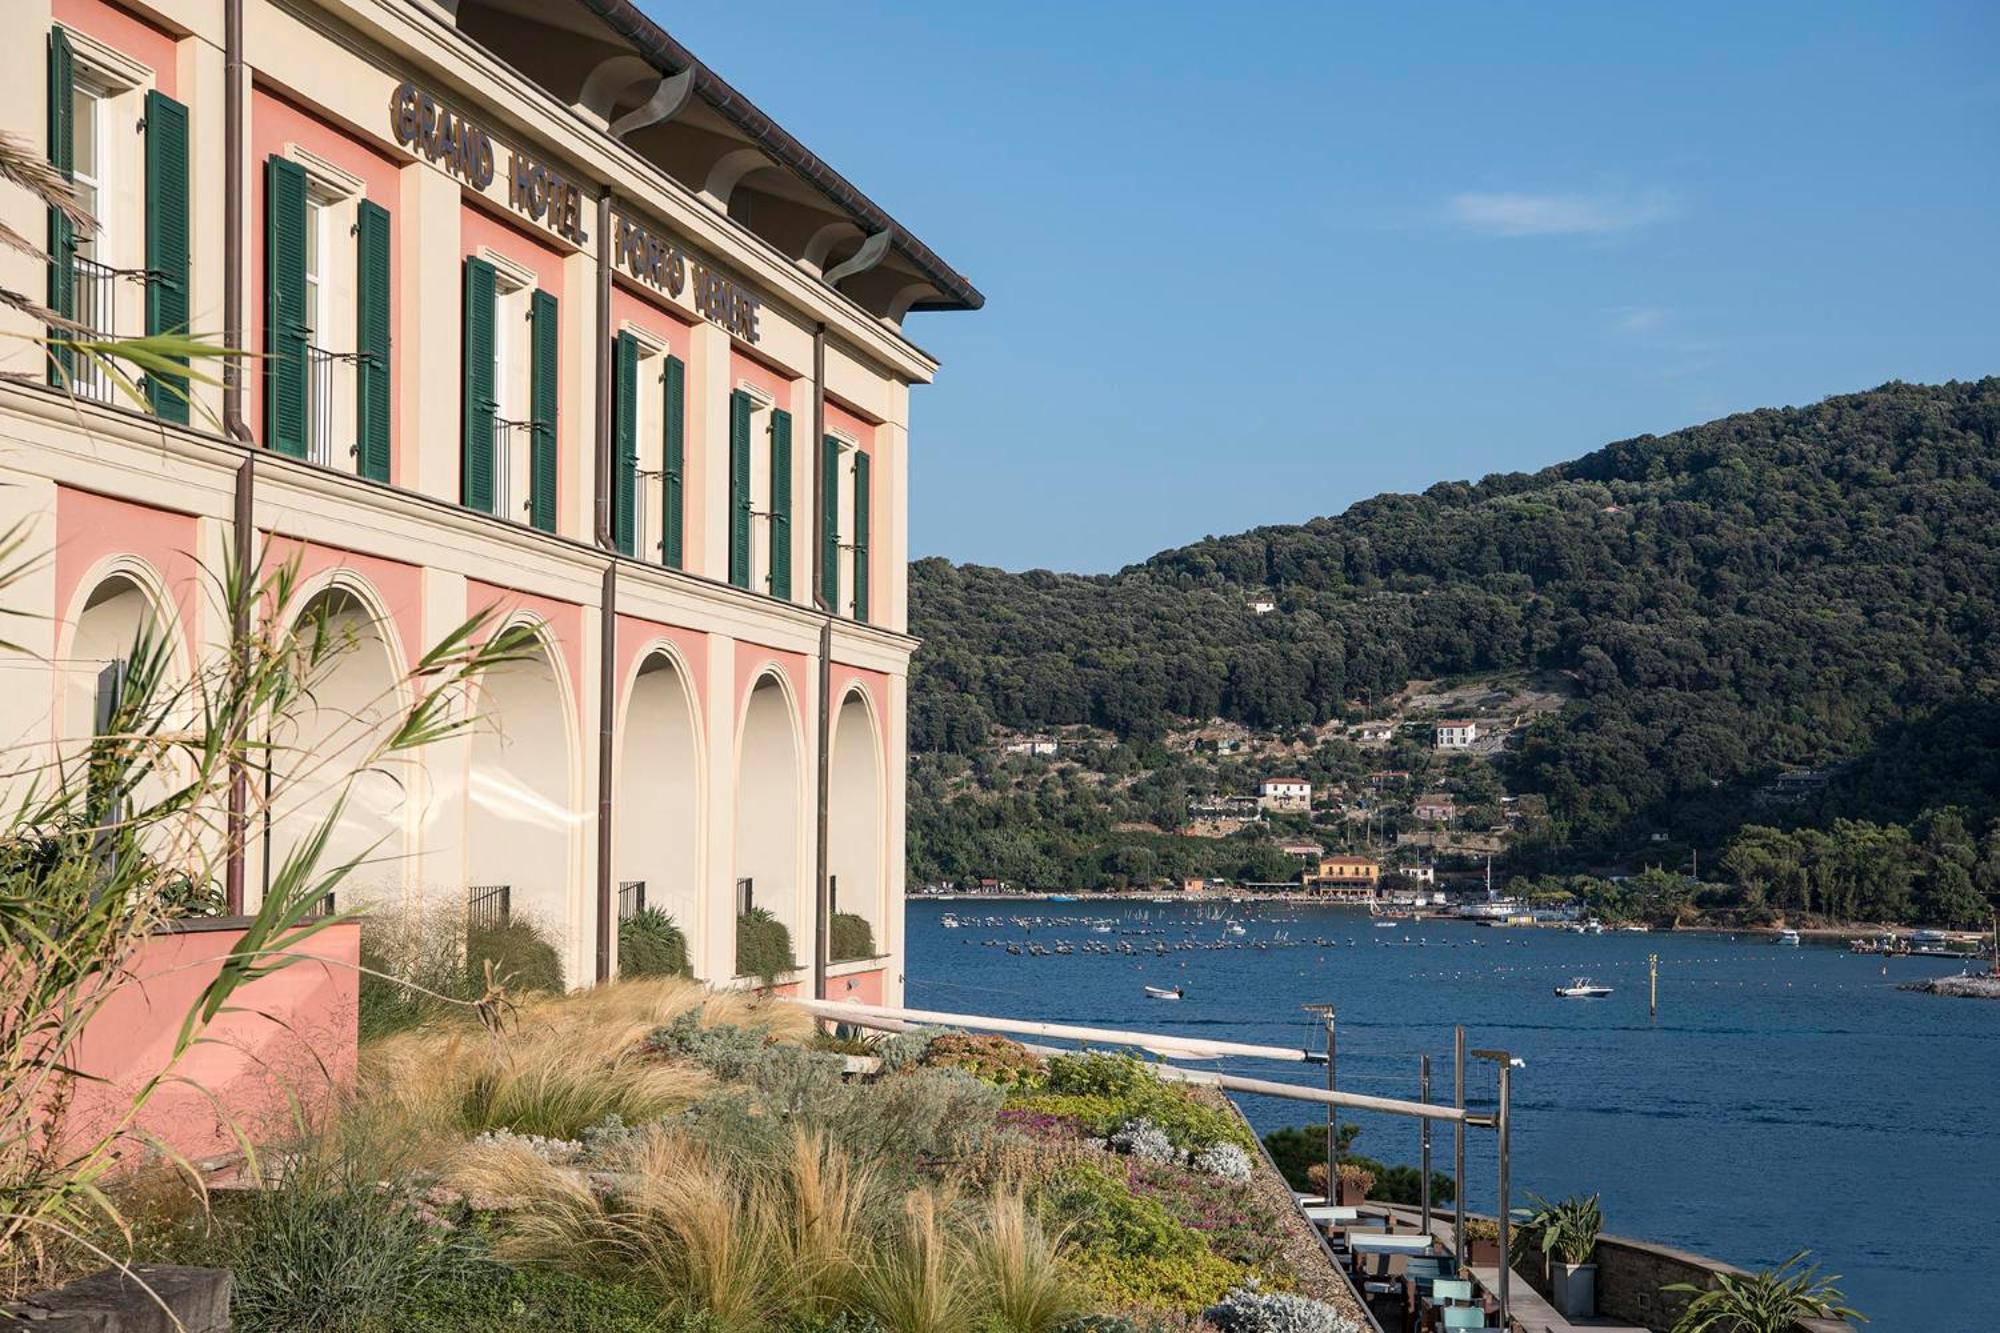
{"x":286,"y":1044}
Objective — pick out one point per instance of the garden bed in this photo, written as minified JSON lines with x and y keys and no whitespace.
{"x":653,"y":1156}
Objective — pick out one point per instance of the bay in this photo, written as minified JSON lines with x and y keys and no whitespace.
{"x":1784,"y":1099}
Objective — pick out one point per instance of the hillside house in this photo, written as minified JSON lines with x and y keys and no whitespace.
{"x":1288,"y":795}
{"x":1457,"y":734}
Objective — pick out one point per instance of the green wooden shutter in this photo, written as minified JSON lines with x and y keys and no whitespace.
{"x":285,"y":331}
{"x":862,"y":499}
{"x":62,"y":234}
{"x":371,"y":340}
{"x":781,"y":505}
{"x":673,"y":464}
{"x":545,"y":350}
{"x":475,"y":483}
{"x":739,"y":489}
{"x":167,"y":242}
{"x":624,"y":442}
{"x":829,"y":523}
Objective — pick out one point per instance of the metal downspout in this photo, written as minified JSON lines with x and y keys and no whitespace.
{"x":243,"y":528}
{"x":607,"y":645}
{"x":823,"y":896}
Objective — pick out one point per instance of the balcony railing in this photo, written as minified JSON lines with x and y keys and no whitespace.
{"x":323,"y":368}
{"x":631,"y":898}
{"x":93,"y":305}
{"x":510,"y":441}
{"x":489,"y":906}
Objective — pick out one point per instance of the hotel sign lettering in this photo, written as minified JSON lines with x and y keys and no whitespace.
{"x":660,"y":262}
{"x":535,"y":190}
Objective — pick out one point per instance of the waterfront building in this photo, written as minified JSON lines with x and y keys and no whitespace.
{"x":1457,"y":734}
{"x":1345,"y":877}
{"x":551,"y":320}
{"x":1291,"y":795}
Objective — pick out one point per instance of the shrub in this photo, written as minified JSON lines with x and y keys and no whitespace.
{"x":849,"y":937}
{"x":725,"y":1050}
{"x":763,"y":946}
{"x":1022,"y":1283}
{"x":901,"y":1050}
{"x":995,"y":1059}
{"x":926,"y":1113}
{"x":327,"y":1246}
{"x":919,"y":1282}
{"x":1226,"y":1161}
{"x":1296,"y":1149}
{"x":1144,"y":1140}
{"x":1771,"y":1300}
{"x":1565,"y":1231}
{"x":651,"y":945}
{"x":1224,"y":1213}
{"x":413,"y":967}
{"x":495,"y":1296}
{"x":1249,"y":1309}
{"x":523,"y":958}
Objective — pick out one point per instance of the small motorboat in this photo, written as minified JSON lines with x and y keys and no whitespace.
{"x":1788,"y":938}
{"x":1582,"y":988}
{"x":1163,"y":993}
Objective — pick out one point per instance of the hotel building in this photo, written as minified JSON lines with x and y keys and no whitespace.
{"x":550,"y":319}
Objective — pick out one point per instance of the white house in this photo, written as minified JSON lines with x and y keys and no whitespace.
{"x":1285,"y":794}
{"x":1457,"y":734}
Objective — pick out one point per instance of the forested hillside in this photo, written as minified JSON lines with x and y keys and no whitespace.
{"x":1785,"y":588}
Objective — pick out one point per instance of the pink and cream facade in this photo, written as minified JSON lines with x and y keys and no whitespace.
{"x":551,"y":320}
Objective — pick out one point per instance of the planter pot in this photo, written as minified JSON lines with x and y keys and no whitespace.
{"x":1573,"y":1288}
{"x":1351,"y":1195}
{"x":1482,"y":1253}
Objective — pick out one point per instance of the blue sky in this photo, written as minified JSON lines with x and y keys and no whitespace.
{"x":1248,"y":263}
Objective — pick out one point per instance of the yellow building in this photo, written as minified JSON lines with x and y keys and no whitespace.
{"x":1346,"y":877}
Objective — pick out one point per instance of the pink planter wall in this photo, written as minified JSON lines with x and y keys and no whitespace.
{"x":283,"y":1046}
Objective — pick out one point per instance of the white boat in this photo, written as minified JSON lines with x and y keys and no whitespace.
{"x":1163,"y":993}
{"x":1236,"y":927}
{"x":1582,"y":988}
{"x":1387,"y":925}
{"x":1788,"y":938}
{"x":948,"y":921}
{"x":1592,"y":927}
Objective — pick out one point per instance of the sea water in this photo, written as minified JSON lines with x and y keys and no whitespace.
{"x":1784,"y":1098}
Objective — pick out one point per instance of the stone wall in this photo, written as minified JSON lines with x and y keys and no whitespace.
{"x":152,"y":1298}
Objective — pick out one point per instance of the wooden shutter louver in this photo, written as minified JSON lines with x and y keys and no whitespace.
{"x":372,"y":340}
{"x":781,"y":505}
{"x":480,"y":406}
{"x":285,"y":331}
{"x":862,"y":504}
{"x":62,"y":234}
{"x":673,"y":465}
{"x":167,"y":243}
{"x":739,"y":489}
{"x":829,"y":523}
{"x":624,"y":442}
{"x":544,"y":371}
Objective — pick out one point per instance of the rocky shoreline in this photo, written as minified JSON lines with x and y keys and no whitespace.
{"x":1967,"y":986}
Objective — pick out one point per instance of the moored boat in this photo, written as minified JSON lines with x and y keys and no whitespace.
{"x":1163,"y":993}
{"x":1582,"y":988}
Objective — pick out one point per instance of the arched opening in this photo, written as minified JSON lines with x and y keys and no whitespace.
{"x":325,"y":747}
{"x":117,"y":610}
{"x":657,"y":829}
{"x":767,"y":849}
{"x":854,"y":832}
{"x":519,"y":819}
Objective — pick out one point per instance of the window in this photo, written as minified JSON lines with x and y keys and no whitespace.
{"x":760,"y":484}
{"x":511,"y":363}
{"x":847,"y":518}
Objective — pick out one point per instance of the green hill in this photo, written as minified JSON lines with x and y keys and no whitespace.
{"x":1806,"y":587}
